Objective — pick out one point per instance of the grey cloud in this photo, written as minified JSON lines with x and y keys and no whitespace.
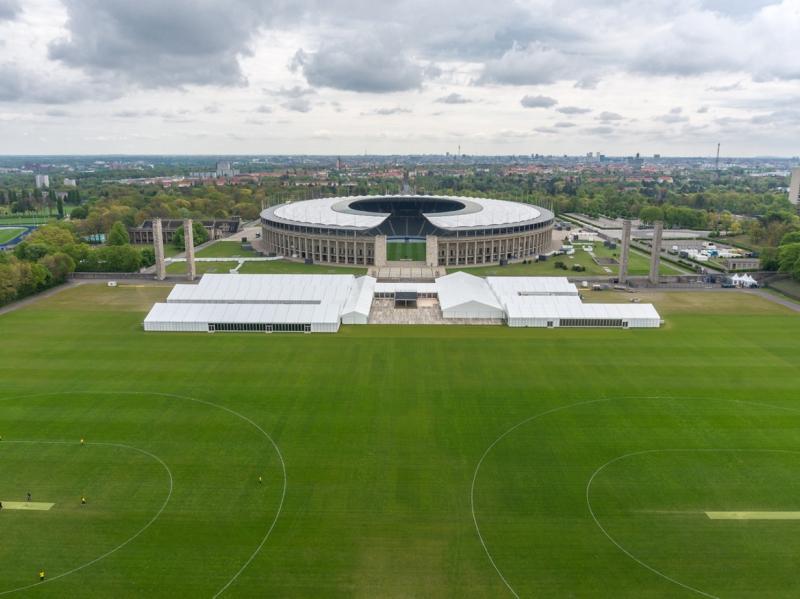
{"x":725,"y":88}
{"x":297,"y":105}
{"x":538,"y":101}
{"x":294,"y":92}
{"x":9,"y":9}
{"x":388,"y":111}
{"x":564,"y":124}
{"x":573,"y":110}
{"x":376,"y":65}
{"x":546,"y":130}
{"x":588,"y":82}
{"x":673,"y":116}
{"x":143,"y":42}
{"x":57,"y":112}
{"x":22,"y":86}
{"x":532,"y":65}
{"x":609,"y":116}
{"x":601,"y":130}
{"x":263,"y":109}
{"x":135,"y":114}
{"x":702,"y":110}
{"x":453,"y":98}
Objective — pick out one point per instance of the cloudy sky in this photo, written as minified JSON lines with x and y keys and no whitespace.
{"x":406,"y":76}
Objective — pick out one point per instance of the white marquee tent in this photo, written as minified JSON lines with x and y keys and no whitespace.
{"x":462,"y":295}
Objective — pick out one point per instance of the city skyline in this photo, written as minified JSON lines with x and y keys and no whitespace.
{"x":674,"y":78}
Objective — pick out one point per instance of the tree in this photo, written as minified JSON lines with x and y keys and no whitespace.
{"x":78,"y":213}
{"x":59,"y":265}
{"x":788,"y":257}
{"x":793,"y":237}
{"x":60,"y":206}
{"x":118,"y":235}
{"x":199,"y":235}
{"x":650,"y":214}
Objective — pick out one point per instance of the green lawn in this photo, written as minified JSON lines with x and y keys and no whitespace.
{"x":288,"y":267}
{"x":399,"y":250}
{"x":225,"y":249}
{"x":7,"y":234}
{"x":638,"y":264}
{"x":179,"y":268}
{"x":587,"y":458}
{"x":169,"y":249}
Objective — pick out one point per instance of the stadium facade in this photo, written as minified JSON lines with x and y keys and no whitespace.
{"x":456,"y":230}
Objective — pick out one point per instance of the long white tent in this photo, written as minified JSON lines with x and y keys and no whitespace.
{"x":320,"y":303}
{"x":555,"y":302}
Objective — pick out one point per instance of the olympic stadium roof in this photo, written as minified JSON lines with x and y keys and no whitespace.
{"x":474,"y":213}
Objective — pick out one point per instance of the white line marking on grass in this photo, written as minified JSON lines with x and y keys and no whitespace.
{"x":478,"y":467}
{"x":753,"y":515}
{"x":33,"y":506}
{"x":651,"y":451}
{"x":124,"y":543}
{"x":574,"y":405}
{"x":213,"y":405}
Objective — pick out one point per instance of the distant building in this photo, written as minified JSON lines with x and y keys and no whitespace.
{"x":42,"y":181}
{"x":70,"y":182}
{"x":225,"y":169}
{"x":794,"y":188}
{"x":742,"y":263}
{"x":217,"y":228}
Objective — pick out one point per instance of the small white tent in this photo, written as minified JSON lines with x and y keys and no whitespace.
{"x":466,"y":296}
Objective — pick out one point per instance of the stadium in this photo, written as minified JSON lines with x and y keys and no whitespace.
{"x":443,"y":230}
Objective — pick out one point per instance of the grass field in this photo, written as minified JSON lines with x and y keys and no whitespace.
{"x":638,"y":264}
{"x":399,"y":250}
{"x":9,"y":233}
{"x":225,"y":249}
{"x":281,"y":267}
{"x":419,"y":461}
{"x":179,"y":268}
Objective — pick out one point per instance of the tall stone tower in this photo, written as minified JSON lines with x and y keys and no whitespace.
{"x":158,"y":243}
{"x":655,"y":255}
{"x":624,"y":252}
{"x":794,"y":188}
{"x":188,"y":239}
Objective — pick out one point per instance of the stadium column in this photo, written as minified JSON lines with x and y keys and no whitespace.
{"x":655,"y":251}
{"x":380,"y":250}
{"x":158,"y":242}
{"x":624,"y":252}
{"x":188,"y":239}
{"x":432,"y":251}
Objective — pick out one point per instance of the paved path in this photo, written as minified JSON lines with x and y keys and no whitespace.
{"x":783,"y":301}
{"x":35,"y":298}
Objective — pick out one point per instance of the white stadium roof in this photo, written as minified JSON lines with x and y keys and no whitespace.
{"x":491,"y":213}
{"x":321,"y":212}
{"x":336,"y":212}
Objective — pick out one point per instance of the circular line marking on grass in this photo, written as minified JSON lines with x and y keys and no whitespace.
{"x":121,"y":545}
{"x":264,"y":433}
{"x":651,"y":451}
{"x":575,"y":405}
{"x":478,"y":467}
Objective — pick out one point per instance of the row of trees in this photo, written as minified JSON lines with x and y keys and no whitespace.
{"x":51,"y":253}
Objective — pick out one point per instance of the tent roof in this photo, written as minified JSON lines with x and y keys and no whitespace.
{"x":460,"y":288}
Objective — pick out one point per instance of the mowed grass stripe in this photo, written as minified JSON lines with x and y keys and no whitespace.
{"x":381,"y":428}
